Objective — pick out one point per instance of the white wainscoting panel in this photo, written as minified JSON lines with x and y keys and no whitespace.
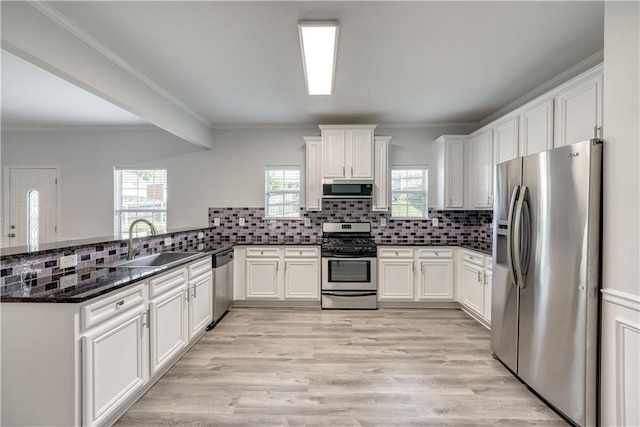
{"x":620,"y":375}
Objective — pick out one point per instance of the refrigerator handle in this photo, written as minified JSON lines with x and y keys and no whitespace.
{"x":517,"y":237}
{"x":526,"y":237}
{"x":512,"y":204}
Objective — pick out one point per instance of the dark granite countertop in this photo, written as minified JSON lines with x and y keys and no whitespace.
{"x":93,"y":282}
{"x":482,"y":247}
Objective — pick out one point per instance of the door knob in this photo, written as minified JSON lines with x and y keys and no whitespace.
{"x":13,"y":227}
{"x":11,"y":235}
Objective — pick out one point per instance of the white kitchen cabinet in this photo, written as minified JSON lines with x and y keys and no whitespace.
{"x":578,"y":109}
{"x":278,"y":273}
{"x":488,"y":277}
{"x":415,"y":273}
{"x":262,"y":278}
{"x":536,"y":127}
{"x":115,"y":356}
{"x":200,"y":304}
{"x":481,"y":166}
{"x":381,"y":174}
{"x":449,"y":175}
{"x":347,"y":152}
{"x":168,"y":329}
{"x":313,"y":182}
{"x":505,"y":140}
{"x":396,"y":279}
{"x":472,"y":287}
{"x":436,"y":279}
{"x":302,"y":278}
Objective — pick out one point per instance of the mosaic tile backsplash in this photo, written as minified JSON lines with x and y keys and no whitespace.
{"x":454,"y":228}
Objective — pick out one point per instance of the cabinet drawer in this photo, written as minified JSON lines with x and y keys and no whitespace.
{"x":301,"y":252}
{"x":97,"y":312}
{"x":488,"y":262}
{"x":263,"y":252}
{"x":199,"y":268}
{"x":435,"y":253}
{"x":395,"y":252}
{"x":473,"y":258}
{"x":171,"y":280}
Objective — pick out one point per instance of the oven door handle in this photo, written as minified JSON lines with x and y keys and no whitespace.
{"x":349,"y":294}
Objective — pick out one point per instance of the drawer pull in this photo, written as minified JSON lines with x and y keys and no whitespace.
{"x":437,"y":253}
{"x":119,"y":304}
{"x":261,"y":252}
{"x":396,"y":253}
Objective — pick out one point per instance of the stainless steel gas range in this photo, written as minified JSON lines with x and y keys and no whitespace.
{"x":349,"y":266}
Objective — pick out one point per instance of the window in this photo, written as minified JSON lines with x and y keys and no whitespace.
{"x":140,"y":193}
{"x":282,"y":192}
{"x":409,"y":192}
{"x":33,"y":214}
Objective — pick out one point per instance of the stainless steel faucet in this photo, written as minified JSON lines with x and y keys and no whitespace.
{"x":154,"y":232}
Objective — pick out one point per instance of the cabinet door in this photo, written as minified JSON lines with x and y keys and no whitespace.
{"x":381,"y":174}
{"x":314,"y":174}
{"x":168,"y":329}
{"x":505,"y":141}
{"x":114,"y":364}
{"x":333,"y":151}
{"x":578,"y":111}
{"x":436,"y":280}
{"x":200,"y":304}
{"x":360,"y":158}
{"x":472,"y":288}
{"x":488,"y":278}
{"x":395,"y":279}
{"x":481,"y":165}
{"x":454,"y":174}
{"x":302,"y":279}
{"x":536,"y":128}
{"x":262,"y":278}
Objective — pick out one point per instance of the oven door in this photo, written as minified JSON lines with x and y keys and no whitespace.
{"x":349,"y":274}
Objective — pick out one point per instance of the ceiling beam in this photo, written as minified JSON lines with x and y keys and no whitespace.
{"x":38,"y":33}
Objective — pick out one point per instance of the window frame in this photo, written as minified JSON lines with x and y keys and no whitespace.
{"x":267,"y":193}
{"x":425,"y":191}
{"x":117,"y":191}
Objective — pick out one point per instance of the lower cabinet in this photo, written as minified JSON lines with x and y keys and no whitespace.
{"x":415,"y":274}
{"x":277,"y":273}
{"x":114,"y":364}
{"x":103,"y":353}
{"x":475,"y":284}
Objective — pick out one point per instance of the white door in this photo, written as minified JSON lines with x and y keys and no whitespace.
{"x":436,"y":280}
{"x":32,"y":206}
{"x":396,"y":279}
{"x":481,"y":161}
{"x":302,"y":279}
{"x":333,"y":150}
{"x":200,"y":305}
{"x":361,"y":154}
{"x":454,"y":180}
{"x":262,"y":278}
{"x":472,"y":288}
{"x":168,"y":327}
{"x":536,"y":128}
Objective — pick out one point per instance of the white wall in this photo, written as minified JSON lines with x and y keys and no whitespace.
{"x":620,"y":389}
{"x":230,"y":174}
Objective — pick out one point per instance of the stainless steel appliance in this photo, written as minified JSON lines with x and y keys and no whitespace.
{"x":347,"y":190}
{"x":546,"y":275}
{"x":222,"y":263}
{"x":349,"y":266}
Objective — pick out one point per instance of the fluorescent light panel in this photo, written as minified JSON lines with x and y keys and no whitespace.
{"x":318,"y":41}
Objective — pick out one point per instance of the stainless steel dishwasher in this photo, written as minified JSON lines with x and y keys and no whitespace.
{"x":222,"y":284}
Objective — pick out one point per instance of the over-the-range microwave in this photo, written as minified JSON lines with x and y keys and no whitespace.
{"x":347,"y":190}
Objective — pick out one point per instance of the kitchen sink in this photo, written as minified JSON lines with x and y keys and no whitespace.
{"x":162,"y":259}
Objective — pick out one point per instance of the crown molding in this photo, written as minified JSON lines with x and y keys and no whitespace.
{"x":56,"y":16}
{"x":79,"y":128}
{"x":579,"y":68}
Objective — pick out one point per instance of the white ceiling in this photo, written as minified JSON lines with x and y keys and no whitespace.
{"x":238,"y":63}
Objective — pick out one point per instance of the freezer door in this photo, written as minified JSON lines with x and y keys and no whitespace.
{"x":504,"y":292}
{"x":559,"y":295}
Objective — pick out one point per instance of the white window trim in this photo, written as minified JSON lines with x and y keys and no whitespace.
{"x":117,"y":212}
{"x":299,"y":192}
{"x":407,"y":218}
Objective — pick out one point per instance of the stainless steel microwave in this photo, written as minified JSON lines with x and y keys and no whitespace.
{"x":347,"y":190}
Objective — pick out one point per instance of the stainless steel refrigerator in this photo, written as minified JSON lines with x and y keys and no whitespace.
{"x":546,"y":275}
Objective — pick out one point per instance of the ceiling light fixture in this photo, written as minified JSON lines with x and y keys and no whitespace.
{"x":319,"y":44}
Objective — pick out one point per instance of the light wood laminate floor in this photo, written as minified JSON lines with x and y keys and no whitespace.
{"x":308,"y":367}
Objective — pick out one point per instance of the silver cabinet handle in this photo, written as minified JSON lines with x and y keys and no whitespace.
{"x":194,"y":291}
{"x":478,"y":277}
{"x":119,"y":304}
{"x":186,"y":294}
{"x":343,"y":174}
{"x":146,"y":319}
{"x":396,"y":253}
{"x":352,"y":171}
{"x":437,"y":254}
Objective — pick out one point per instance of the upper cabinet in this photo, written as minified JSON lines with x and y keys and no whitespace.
{"x":313,"y":182}
{"x":536,"y":127}
{"x":579,"y":109}
{"x":347,"y":152}
{"x":505,"y":140}
{"x":481,"y":165}
{"x":449,"y":158}
{"x":381,"y":173}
